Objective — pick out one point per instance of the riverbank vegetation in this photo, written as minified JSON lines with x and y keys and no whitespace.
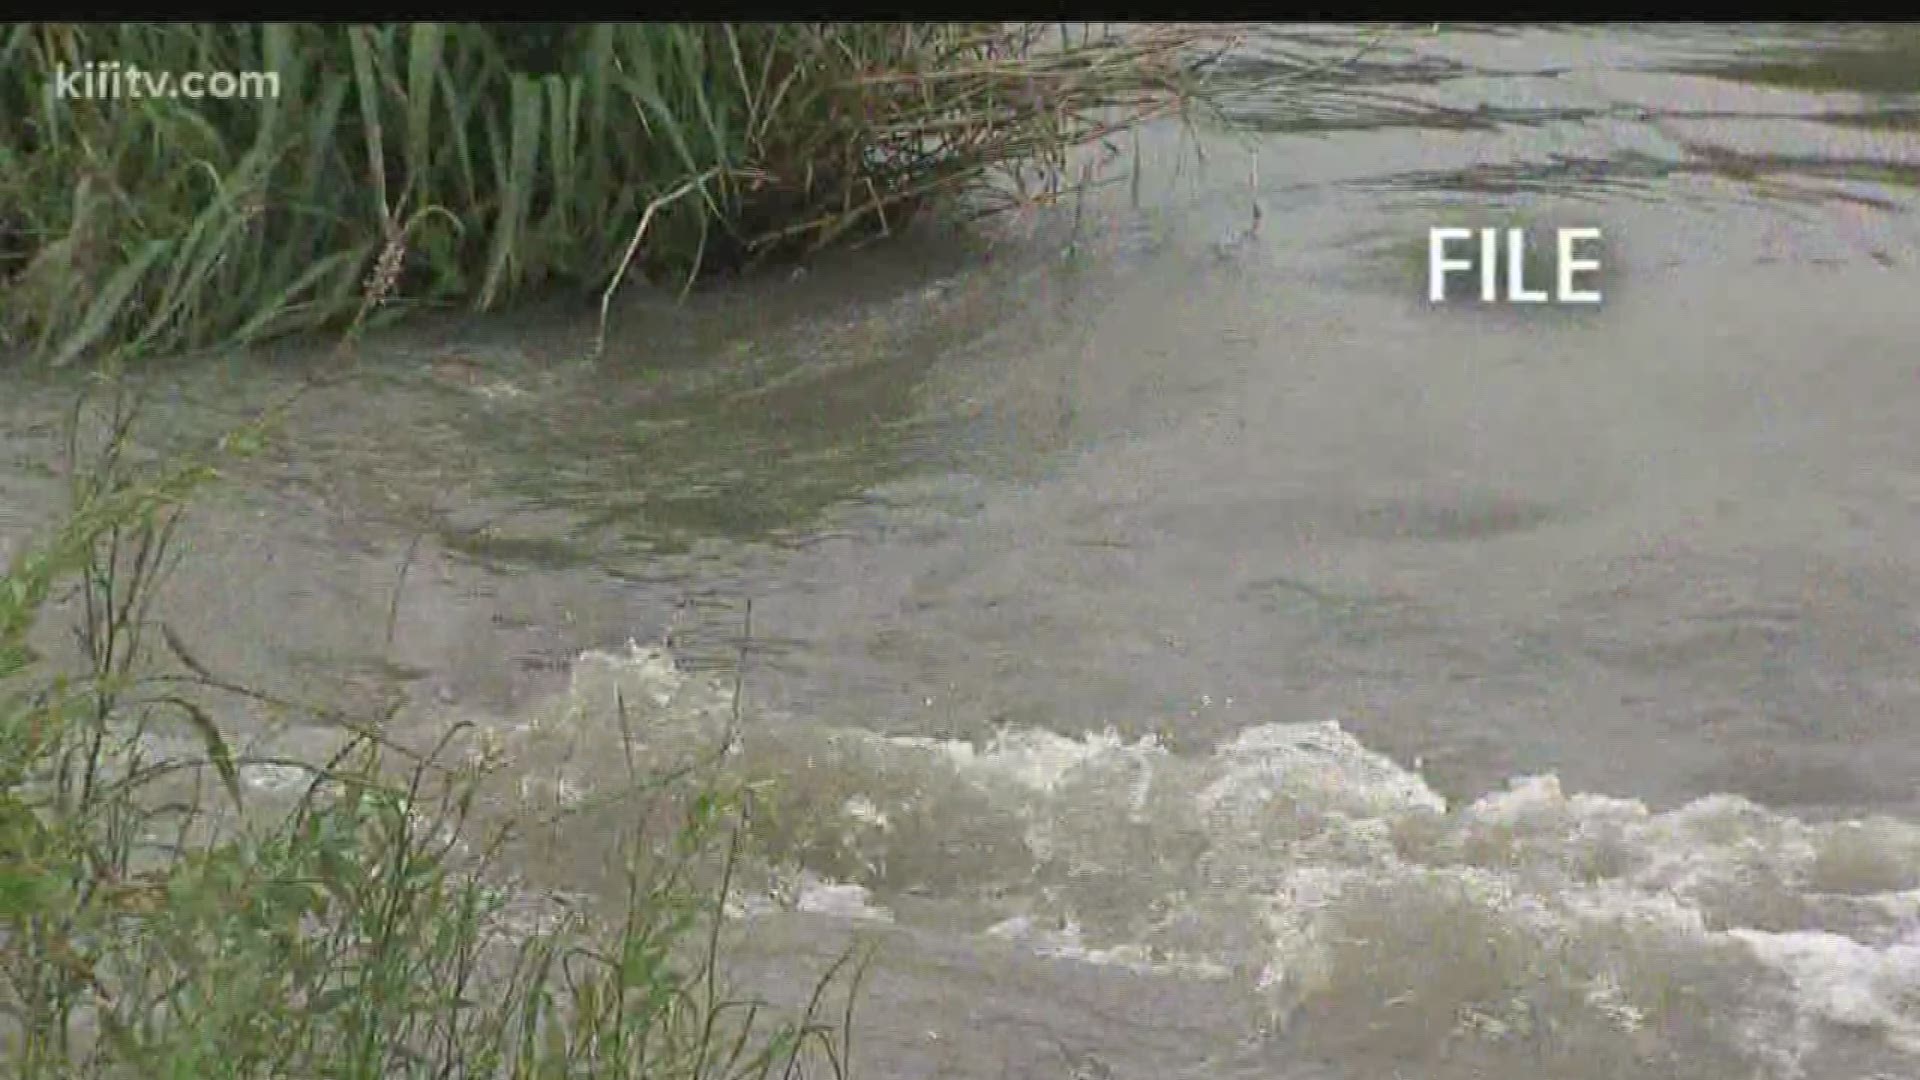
{"x":397,"y":166}
{"x":162,"y":914}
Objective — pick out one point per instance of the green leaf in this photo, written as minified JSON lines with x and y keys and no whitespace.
{"x":111,"y":303}
{"x":214,"y":743}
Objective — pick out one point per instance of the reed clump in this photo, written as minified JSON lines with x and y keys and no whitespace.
{"x":400,"y":165}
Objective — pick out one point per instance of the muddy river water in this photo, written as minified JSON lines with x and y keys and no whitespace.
{"x":1205,"y":656}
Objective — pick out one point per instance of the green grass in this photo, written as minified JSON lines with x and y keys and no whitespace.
{"x":159,"y":918}
{"x":443,"y":164}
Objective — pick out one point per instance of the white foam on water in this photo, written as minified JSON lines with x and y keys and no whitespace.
{"x":275,"y":778}
{"x":1066,"y":943}
{"x":1532,"y":932}
{"x":1843,"y":981}
{"x":841,"y":900}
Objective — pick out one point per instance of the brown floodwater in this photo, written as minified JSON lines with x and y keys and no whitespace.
{"x":1212,"y":658}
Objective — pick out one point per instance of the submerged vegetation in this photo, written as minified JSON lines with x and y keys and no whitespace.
{"x":402,"y":165}
{"x":358,"y":924}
